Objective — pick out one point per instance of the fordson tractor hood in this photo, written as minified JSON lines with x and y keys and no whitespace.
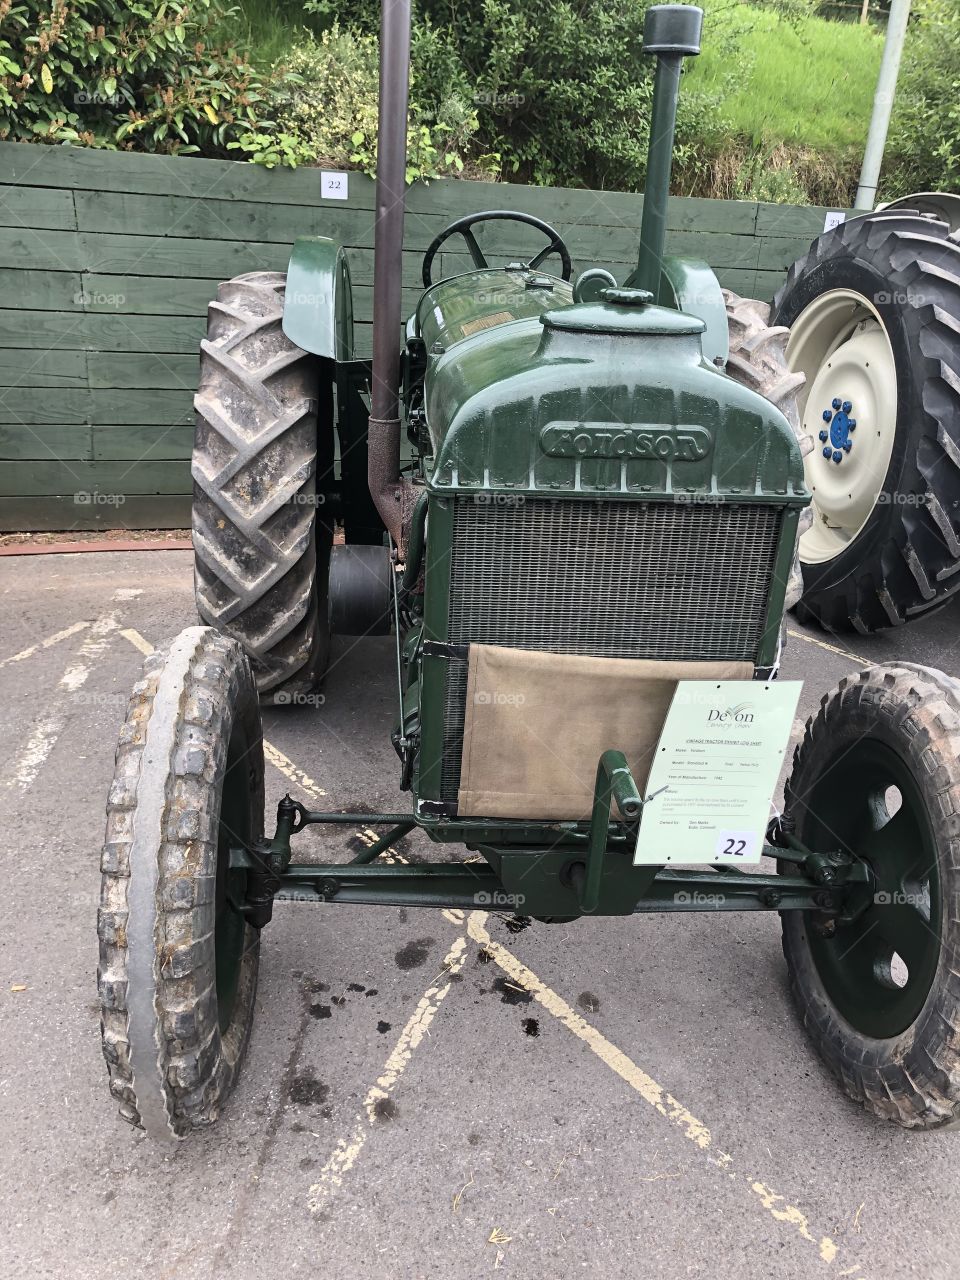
{"x":612,"y":397}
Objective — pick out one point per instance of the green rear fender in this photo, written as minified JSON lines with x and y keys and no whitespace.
{"x":690,"y":285}
{"x":687,"y":284}
{"x":318,"y":304}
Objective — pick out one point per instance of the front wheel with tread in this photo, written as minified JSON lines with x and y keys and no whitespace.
{"x":877,"y":776}
{"x":178,"y":962}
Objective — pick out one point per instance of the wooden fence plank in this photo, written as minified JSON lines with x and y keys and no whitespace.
{"x":47,"y":368}
{"x":110,"y":479}
{"x":37,"y":207}
{"x":139,"y":511}
{"x":41,"y":290}
{"x":67,"y":330}
{"x":25,"y":442}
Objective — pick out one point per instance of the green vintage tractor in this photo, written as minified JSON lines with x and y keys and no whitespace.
{"x":585,"y":565}
{"x":873,"y":309}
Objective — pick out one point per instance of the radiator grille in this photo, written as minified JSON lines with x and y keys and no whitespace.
{"x":610,"y":579}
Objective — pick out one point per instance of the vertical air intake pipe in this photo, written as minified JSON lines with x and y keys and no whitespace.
{"x":383,"y":440}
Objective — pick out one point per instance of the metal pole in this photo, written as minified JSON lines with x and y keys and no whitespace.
{"x":882,"y":104}
{"x":383,"y":436}
{"x":656,"y":192}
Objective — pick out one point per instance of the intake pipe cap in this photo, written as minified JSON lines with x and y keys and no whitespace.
{"x":673,"y":29}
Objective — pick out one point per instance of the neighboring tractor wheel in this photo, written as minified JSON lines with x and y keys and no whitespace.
{"x":758,"y":360}
{"x":874,"y":315}
{"x":260,"y":459}
{"x":877,"y":775}
{"x":178,"y":962}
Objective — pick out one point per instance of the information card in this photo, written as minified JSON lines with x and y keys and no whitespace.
{"x":715,"y":770}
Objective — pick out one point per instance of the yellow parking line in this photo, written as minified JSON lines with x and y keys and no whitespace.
{"x":345,"y":1154}
{"x":831,"y":648}
{"x":648,"y":1089}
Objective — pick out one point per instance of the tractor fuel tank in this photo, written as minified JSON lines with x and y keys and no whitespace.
{"x":612,"y":397}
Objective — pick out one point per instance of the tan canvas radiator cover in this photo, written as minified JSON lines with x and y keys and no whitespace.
{"x":536,"y":725}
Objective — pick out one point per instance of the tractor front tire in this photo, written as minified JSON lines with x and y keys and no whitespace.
{"x":874,"y":313}
{"x":178,"y":961}
{"x":877,"y":775}
{"x":264,"y":439}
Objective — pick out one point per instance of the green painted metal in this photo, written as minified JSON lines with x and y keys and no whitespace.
{"x":318,"y":302}
{"x":547,"y":406}
{"x":687,"y":284}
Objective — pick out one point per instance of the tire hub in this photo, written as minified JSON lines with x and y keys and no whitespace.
{"x":840,"y":343}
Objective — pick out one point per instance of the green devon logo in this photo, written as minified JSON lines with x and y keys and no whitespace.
{"x":742,"y":713}
{"x":661,"y":441}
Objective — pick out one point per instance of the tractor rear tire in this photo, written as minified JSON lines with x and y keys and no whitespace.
{"x":758,"y":360}
{"x":877,"y":775}
{"x":874,"y":312}
{"x":178,"y":961}
{"x":260,"y":460}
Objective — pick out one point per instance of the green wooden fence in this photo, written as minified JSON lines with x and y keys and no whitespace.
{"x":107,"y":262}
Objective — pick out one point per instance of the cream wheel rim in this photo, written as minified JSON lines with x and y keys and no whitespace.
{"x":839,"y":342}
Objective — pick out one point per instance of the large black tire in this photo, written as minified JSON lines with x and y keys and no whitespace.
{"x":264,"y":437}
{"x":905,"y":560}
{"x":890,"y":1035}
{"x":178,"y":965}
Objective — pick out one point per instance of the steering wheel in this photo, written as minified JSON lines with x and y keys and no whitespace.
{"x":462,"y":227}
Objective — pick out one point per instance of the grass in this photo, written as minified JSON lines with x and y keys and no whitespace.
{"x":809,"y":82}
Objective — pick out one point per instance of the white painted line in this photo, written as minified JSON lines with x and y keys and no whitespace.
{"x":49,"y":727}
{"x":647,"y":1088}
{"x":50,"y":641}
{"x":345,"y":1153}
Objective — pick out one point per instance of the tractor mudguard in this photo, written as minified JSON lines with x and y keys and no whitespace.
{"x":687,"y":284}
{"x":318,"y":306}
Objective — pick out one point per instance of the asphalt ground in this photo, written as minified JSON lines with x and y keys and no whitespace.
{"x":426,"y":1094}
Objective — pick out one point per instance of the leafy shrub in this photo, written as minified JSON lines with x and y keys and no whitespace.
{"x":560,"y":88}
{"x":924,"y":147}
{"x":136,"y":76}
{"x":332,"y":114}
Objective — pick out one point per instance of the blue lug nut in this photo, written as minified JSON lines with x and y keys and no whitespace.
{"x":847,"y":445}
{"x":836,"y":403}
{"x":827,"y":415}
{"x":823,"y":436}
{"x":852,"y":424}
{"x":847,"y":406}
{"x":837,"y":455}
{"x":828,"y":452}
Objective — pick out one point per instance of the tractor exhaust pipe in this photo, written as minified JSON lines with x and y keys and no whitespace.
{"x":672,"y":32}
{"x":390,"y":496}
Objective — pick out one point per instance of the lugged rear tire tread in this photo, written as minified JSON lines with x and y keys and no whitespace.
{"x":261,"y":551}
{"x":905,"y":561}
